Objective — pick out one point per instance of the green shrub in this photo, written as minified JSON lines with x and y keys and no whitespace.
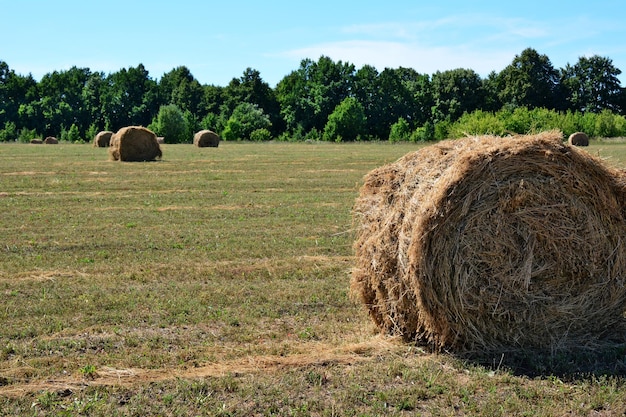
{"x":212,"y":122}
{"x":400,"y":131}
{"x":233,"y":130}
{"x":346,"y":122}
{"x":442,"y":129}
{"x":171,"y":123}
{"x":245,"y":119}
{"x":313,"y":135}
{"x":261,"y":135}
{"x":71,"y":135}
{"x":477,"y":123}
{"x":26,"y":135}
{"x":424,"y":133}
{"x":91,"y":133}
{"x":524,"y":121}
{"x":605,"y":125}
{"x":9,"y":133}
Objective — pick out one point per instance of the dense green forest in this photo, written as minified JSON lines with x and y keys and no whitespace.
{"x":321,"y":100}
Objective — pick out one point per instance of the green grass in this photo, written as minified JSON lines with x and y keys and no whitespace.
{"x":215,"y":282}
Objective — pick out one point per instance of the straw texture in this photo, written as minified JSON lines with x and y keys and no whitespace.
{"x":489,"y":243}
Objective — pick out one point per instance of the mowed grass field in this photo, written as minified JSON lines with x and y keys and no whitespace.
{"x":216,"y":282}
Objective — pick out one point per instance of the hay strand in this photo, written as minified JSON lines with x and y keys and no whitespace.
{"x":489,"y":243}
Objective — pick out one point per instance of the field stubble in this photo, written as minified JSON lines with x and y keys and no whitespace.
{"x":215,"y":282}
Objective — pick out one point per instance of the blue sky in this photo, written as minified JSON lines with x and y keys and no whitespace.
{"x":217,"y":41}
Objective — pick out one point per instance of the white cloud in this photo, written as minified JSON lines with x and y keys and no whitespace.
{"x":480,"y":42}
{"x":424,"y":59}
{"x":398,"y":30}
{"x":462,"y":27}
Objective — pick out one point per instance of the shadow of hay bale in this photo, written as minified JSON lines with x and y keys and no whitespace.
{"x":607,"y":358}
{"x":134,"y":144}
{"x":486,"y":245}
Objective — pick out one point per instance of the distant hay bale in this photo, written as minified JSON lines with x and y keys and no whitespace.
{"x":134,"y":144}
{"x":578,"y":139}
{"x":160,"y":140}
{"x":36,"y":141}
{"x":206,"y":138}
{"x":102,"y":139}
{"x":51,"y":140}
{"x":487,"y":243}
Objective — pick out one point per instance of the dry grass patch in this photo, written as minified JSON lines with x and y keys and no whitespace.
{"x":312,"y":353}
{"x":247,"y":310}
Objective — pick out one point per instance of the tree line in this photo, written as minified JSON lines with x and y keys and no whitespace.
{"x":321,"y":100}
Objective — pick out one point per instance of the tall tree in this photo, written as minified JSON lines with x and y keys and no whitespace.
{"x":456,"y":92}
{"x":531,"y":81}
{"x":180,"y":87}
{"x":296,"y":112}
{"x":592,"y":84}
{"x":16,"y":91}
{"x":93,"y":91}
{"x":396,"y":101}
{"x":309,"y":95}
{"x":491,"y":88}
{"x":131,"y":98}
{"x":210,"y":115}
{"x":212,"y":100}
{"x":367,"y":92}
{"x":250,"y":88}
{"x":62,"y":102}
{"x":420,"y":87}
{"x":391,"y":95}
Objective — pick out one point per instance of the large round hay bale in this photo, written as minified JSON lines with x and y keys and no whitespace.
{"x":578,"y":139}
{"x":102,"y":139}
{"x":134,"y":144}
{"x":489,"y":243}
{"x":206,"y":138}
{"x":51,"y":140}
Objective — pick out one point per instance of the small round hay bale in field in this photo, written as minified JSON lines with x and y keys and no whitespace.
{"x":134,"y":144}
{"x":160,"y":140}
{"x":36,"y":141}
{"x":102,"y":139}
{"x":206,"y":138}
{"x":578,"y":139}
{"x":487,"y":244}
{"x":51,"y":140}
